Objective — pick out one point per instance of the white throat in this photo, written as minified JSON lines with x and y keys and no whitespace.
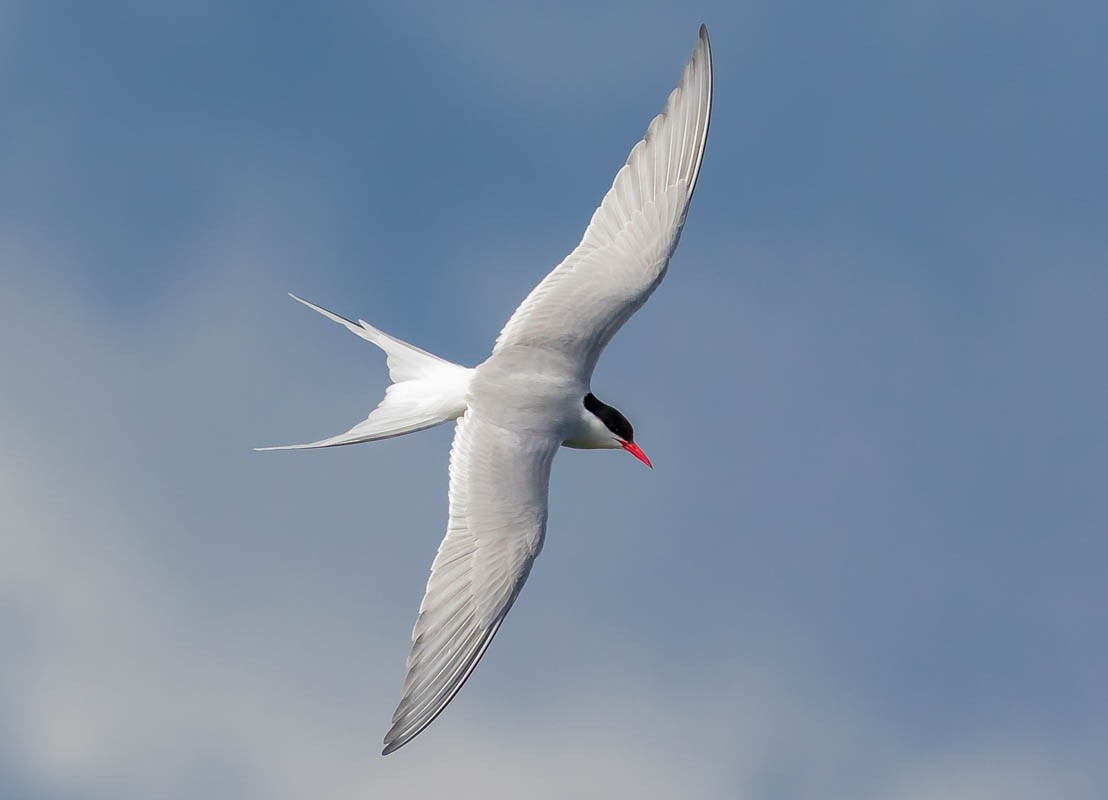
{"x":588,"y":433}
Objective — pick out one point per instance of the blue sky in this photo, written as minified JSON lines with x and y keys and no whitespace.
{"x":870,"y":562}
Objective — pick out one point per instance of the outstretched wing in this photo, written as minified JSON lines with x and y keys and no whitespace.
{"x":623,"y":256}
{"x":498,"y":490}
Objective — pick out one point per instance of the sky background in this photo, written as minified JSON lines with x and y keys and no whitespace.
{"x":871,"y":561}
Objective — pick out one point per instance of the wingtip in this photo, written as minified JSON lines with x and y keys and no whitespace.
{"x":702,"y":38}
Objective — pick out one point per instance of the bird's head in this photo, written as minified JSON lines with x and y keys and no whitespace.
{"x":603,"y":427}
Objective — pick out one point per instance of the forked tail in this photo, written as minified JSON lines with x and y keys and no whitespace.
{"x":425,"y":391}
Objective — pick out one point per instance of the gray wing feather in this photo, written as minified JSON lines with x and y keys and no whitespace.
{"x":498,"y":492}
{"x":625,"y":251}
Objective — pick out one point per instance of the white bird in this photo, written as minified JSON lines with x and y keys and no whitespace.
{"x":530,"y":397}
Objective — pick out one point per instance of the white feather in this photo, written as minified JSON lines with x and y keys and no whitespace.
{"x":498,"y":489}
{"x":626,"y":248}
{"x":426,"y":390}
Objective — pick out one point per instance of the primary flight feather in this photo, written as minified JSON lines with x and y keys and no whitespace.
{"x":530,"y":397}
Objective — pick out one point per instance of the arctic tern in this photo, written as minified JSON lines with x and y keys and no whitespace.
{"x":530,"y":397}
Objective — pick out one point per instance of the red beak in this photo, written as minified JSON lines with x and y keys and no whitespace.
{"x":637,"y":452}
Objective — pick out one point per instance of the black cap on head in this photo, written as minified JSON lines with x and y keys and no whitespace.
{"x":612,"y":419}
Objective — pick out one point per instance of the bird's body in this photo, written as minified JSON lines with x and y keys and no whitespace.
{"x":531,"y":396}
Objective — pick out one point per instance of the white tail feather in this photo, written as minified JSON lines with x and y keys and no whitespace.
{"x":426,"y":390}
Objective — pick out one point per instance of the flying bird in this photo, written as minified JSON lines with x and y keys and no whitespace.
{"x":530,"y":397}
